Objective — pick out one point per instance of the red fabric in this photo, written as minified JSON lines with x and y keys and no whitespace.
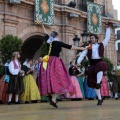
{"x":77,"y":88}
{"x":3,"y":88}
{"x":104,"y":87}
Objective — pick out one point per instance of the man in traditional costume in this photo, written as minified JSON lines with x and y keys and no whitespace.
{"x":95,"y":53}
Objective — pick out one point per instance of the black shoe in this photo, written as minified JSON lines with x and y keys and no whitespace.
{"x":116,"y":98}
{"x":26,"y":102}
{"x":54,"y":104}
{"x":34,"y":101}
{"x":98,"y":85}
{"x":99,"y":102}
{"x":1,"y":102}
{"x":17,"y":102}
{"x":9,"y":103}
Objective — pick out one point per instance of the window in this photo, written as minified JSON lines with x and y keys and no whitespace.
{"x":118,"y":35}
{"x":82,"y":4}
{"x":118,"y":46}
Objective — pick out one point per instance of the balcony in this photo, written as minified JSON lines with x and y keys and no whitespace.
{"x":81,"y":5}
{"x":58,"y":2}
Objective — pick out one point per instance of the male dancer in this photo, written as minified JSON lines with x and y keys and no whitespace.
{"x":95,"y":53}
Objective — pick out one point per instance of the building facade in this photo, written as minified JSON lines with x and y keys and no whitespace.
{"x":18,"y":20}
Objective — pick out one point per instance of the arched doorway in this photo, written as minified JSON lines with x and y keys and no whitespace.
{"x":30,"y":47}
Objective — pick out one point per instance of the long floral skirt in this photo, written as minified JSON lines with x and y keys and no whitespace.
{"x":104,"y":88}
{"x":55,"y":80}
{"x":31,"y":90}
{"x":77,"y":88}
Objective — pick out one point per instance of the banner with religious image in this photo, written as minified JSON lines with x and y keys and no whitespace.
{"x":44,"y":11}
{"x":94,"y":21}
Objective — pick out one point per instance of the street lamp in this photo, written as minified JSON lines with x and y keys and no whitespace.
{"x":76,"y":40}
{"x":84,"y":38}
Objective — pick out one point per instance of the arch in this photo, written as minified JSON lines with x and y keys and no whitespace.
{"x":30,"y":31}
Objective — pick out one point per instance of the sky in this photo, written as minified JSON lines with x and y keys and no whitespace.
{"x":116,"y":4}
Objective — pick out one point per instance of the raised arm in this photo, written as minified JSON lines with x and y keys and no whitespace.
{"x":81,"y":57}
{"x":107,"y":37}
{"x":44,"y":29}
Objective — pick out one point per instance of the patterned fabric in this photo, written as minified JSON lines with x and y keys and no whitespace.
{"x":80,"y":80}
{"x":89,"y":92}
{"x":104,"y":87}
{"x":94,"y":18}
{"x":55,"y":79}
{"x":3,"y":88}
{"x":31,"y":90}
{"x":92,"y":72}
{"x":44,"y":11}
{"x":77,"y":88}
{"x":15,"y":65}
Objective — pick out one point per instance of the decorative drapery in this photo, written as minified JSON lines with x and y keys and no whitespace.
{"x":44,"y":11}
{"x":94,"y":18}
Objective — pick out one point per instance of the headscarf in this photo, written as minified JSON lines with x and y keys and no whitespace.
{"x":26,"y":63}
{"x":52,"y":38}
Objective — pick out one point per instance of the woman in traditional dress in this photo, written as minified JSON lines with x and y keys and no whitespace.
{"x":53,"y":78}
{"x":104,"y":87}
{"x":31,"y":92}
{"x":89,"y":92}
{"x":80,"y":79}
{"x":78,"y":95}
{"x":15,"y":85}
{"x":4,"y":83}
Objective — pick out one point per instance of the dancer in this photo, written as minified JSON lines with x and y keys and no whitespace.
{"x":15,"y":85}
{"x":54,"y":80}
{"x":95,"y":53}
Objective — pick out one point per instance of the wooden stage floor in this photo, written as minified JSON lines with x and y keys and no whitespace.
{"x":68,"y":110}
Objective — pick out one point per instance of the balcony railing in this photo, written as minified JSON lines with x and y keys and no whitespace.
{"x":58,"y":2}
{"x":81,"y":5}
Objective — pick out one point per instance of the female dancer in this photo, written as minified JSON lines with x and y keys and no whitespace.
{"x":55,"y":80}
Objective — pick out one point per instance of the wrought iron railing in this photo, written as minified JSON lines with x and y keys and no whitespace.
{"x":81,"y":5}
{"x":58,"y":2}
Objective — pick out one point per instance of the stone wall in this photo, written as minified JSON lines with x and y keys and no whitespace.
{"x":18,"y":20}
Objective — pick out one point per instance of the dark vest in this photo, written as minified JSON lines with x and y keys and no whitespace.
{"x":100,"y":51}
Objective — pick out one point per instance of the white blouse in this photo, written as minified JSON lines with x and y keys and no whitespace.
{"x":95,"y":47}
{"x":12,"y":70}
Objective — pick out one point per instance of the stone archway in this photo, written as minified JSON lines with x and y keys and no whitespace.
{"x":30,"y":46}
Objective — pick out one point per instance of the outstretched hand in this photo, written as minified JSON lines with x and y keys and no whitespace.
{"x":38,"y":22}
